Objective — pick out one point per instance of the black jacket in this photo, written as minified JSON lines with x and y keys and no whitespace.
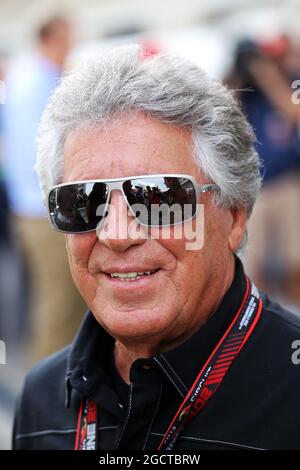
{"x":256,"y":406}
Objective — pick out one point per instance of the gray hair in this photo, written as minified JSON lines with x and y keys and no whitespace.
{"x":168,"y":88}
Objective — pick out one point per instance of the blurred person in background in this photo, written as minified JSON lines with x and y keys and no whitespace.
{"x":3,"y":194}
{"x":264,"y":72}
{"x":4,"y":237}
{"x":56,"y":308}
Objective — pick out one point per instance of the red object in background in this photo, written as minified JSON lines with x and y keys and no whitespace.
{"x":149,"y":49}
{"x":276,"y":48}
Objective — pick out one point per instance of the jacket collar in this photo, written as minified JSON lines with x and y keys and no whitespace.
{"x":92,"y":347}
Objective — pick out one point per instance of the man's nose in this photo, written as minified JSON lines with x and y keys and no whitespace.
{"x":119,"y":230}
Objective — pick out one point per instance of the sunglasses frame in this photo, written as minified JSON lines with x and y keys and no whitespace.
{"x":117,"y":184}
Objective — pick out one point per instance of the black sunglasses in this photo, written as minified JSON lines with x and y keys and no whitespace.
{"x":155,"y":200}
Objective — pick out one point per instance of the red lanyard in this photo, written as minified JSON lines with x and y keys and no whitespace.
{"x":86,"y":435}
{"x":205,"y":385}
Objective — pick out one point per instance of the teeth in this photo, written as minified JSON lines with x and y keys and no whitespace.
{"x":130,"y":276}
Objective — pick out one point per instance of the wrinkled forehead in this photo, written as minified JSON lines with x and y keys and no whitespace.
{"x":129,"y":146}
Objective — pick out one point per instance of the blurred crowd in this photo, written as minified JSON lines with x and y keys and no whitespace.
{"x":40,"y":309}
{"x":262,"y":76}
{"x":46,"y":304}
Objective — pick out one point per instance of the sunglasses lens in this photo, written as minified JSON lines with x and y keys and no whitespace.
{"x":154,"y":200}
{"x":78,"y":207}
{"x":161,"y":201}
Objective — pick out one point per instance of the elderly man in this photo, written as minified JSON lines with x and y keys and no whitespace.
{"x":179,"y":350}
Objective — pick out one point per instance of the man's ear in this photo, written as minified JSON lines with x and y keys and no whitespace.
{"x":238,"y":228}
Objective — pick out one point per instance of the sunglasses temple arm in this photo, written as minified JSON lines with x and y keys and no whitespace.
{"x":208,"y":187}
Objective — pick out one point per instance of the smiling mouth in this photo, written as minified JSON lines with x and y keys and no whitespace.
{"x":131,"y":276}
